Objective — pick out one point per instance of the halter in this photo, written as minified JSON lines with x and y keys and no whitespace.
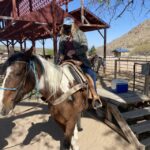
{"x":29,"y":66}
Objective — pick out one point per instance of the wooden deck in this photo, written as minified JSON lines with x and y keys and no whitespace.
{"x":129,"y":114}
{"x":122,"y":99}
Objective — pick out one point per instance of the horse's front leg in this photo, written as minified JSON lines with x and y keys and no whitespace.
{"x":74,"y":144}
{"x":70,"y":136}
{"x":79,"y":126}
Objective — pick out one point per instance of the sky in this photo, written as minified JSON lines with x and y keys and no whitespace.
{"x":117,"y":27}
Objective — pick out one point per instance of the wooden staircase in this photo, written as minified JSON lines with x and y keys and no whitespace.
{"x":128,"y":114}
{"x":134,"y":124}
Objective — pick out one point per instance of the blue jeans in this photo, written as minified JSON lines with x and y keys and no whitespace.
{"x":89,"y":71}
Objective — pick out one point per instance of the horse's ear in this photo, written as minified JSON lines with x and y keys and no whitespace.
{"x":29,"y":52}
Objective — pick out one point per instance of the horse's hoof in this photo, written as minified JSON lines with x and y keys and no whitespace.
{"x":76,"y":148}
{"x":80,"y":129}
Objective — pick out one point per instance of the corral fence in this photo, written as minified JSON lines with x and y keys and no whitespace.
{"x":129,"y":68}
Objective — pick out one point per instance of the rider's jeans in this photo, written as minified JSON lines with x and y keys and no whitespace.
{"x":89,"y":71}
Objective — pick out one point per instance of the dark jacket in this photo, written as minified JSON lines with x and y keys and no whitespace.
{"x":79,"y":45}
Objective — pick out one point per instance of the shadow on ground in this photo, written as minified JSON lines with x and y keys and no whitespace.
{"x":8,"y":123}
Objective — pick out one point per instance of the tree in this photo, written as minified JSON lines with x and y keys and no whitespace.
{"x":116,"y":8}
{"x":92,"y":51}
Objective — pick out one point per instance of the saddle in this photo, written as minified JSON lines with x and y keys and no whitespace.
{"x":81,"y":77}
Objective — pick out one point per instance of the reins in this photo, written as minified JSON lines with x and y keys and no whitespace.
{"x":63,"y":97}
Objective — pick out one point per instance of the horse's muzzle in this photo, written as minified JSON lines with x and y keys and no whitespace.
{"x":5,"y":111}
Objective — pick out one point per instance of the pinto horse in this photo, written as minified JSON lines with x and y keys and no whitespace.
{"x":25,"y":71}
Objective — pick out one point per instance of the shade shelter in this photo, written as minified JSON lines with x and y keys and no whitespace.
{"x":22,"y":20}
{"x":117,"y":52}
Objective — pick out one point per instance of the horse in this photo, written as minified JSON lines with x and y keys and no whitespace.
{"x":26,"y":71}
{"x":96,"y":63}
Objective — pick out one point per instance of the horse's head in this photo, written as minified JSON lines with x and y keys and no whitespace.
{"x":15,"y":86}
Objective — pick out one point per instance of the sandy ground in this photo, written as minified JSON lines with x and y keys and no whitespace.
{"x":36,"y":130}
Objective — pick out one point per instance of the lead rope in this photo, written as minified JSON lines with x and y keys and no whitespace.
{"x":32,"y":64}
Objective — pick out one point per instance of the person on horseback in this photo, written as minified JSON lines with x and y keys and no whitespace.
{"x":97,"y":62}
{"x":73,"y":45}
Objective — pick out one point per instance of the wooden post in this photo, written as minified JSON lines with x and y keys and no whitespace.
{"x":21,"y":45}
{"x":33,"y":45}
{"x":11,"y":50}
{"x":115,"y":73}
{"x":105,"y":37}
{"x":43,"y":42}
{"x":82,"y":11}
{"x":8,"y":47}
{"x":30,"y":5}
{"x":14,"y":9}
{"x":54,"y":30}
{"x":134,"y":73}
{"x":146,"y":85}
{"x":66,"y":6}
{"x":25,"y":46}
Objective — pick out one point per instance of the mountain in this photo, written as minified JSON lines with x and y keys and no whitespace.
{"x":137,"y":41}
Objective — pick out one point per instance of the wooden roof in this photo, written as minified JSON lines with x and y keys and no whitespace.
{"x":6,"y":5}
{"x":92,"y":22}
{"x":37,"y":22}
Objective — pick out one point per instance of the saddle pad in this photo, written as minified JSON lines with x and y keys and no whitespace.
{"x":76,"y":72}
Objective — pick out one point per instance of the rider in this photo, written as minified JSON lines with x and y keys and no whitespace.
{"x":73,"y":45}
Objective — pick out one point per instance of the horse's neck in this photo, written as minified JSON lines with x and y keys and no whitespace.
{"x":49,"y":77}
{"x":54,"y":79}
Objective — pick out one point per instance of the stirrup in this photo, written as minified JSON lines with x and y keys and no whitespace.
{"x":97,"y":104}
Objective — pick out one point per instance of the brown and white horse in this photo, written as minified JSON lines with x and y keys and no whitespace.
{"x":25,"y":71}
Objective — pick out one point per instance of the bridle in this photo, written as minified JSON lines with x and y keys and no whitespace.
{"x":31,"y":65}
{"x":22,"y":83}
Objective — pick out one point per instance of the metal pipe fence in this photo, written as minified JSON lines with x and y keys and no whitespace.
{"x":128,"y":68}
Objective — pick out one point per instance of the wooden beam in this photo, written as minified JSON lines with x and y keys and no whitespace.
{"x":16,"y":31}
{"x":14,"y":9}
{"x":92,"y":25}
{"x":6,"y":18}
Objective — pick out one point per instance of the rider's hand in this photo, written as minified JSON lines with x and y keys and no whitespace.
{"x":71,"y":53}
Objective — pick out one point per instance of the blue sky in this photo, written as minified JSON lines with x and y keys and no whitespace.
{"x":117,"y":27}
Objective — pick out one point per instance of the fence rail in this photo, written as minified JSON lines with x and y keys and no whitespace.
{"x":128,"y":68}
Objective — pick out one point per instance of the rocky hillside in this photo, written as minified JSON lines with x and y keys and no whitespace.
{"x":137,"y":40}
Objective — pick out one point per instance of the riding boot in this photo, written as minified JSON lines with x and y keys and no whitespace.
{"x":96,"y":103}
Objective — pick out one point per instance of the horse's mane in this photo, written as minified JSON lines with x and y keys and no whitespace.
{"x":52,"y":74}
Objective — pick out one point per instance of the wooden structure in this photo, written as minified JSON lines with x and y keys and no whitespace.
{"x":128,"y":114}
{"x":117,"y":52}
{"x":22,"y":20}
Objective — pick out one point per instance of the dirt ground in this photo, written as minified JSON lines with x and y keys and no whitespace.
{"x":34,"y":129}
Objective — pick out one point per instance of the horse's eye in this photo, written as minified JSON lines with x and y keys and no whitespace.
{"x":18,"y":73}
